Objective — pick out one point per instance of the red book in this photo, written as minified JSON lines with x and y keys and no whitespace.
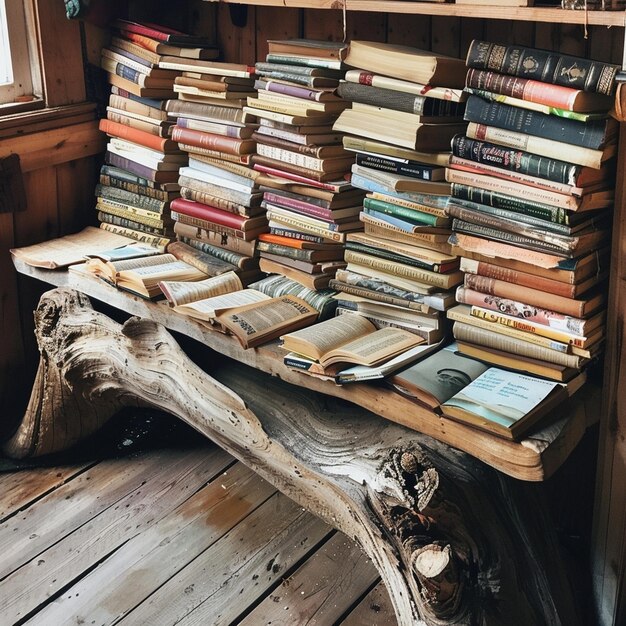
{"x":209,"y":141}
{"x":217,"y":216}
{"x":135,"y":135}
{"x":336,"y":185}
{"x":160,"y":33}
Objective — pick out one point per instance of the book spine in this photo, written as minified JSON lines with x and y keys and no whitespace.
{"x":386,"y":98}
{"x":487,"y":232}
{"x":589,"y":135}
{"x":454,"y":203}
{"x":141,"y":201}
{"x":544,"y":66}
{"x":132,"y":134}
{"x":528,"y":295}
{"x":204,"y":224}
{"x":296,"y":254}
{"x":203,"y":111}
{"x":289,"y":90}
{"x":142,"y":190}
{"x":489,"y":339}
{"x":378,"y":296}
{"x":206,"y":212}
{"x":521,"y":311}
{"x":123,"y":175}
{"x":489,"y":270}
{"x":298,"y":205}
{"x":297,"y":224}
{"x":137,"y":235}
{"x":496,"y":184}
{"x":209,"y":141}
{"x":233,"y":258}
{"x":294,"y":234}
{"x":525,"y":326}
{"x":401,"y":212}
{"x":219,"y":203}
{"x":414,"y":170}
{"x":144,"y":37}
{"x":292,"y":158}
{"x":552,"y":95}
{"x":131,"y":223}
{"x":214,"y":128}
{"x":396,"y":269}
{"x":437,"y":211}
{"x":303,"y":79}
{"x":221,"y":239}
{"x":153,"y":129}
{"x":577,"y":155}
{"x":301,"y":61}
{"x":223,"y":193}
{"x":132,"y":213}
{"x":392,"y":256}
{"x":509,"y":203}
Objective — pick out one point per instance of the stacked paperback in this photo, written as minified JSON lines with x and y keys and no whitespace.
{"x":219,"y":211}
{"x":531,"y":198}
{"x":309,"y":204}
{"x":400,"y":270}
{"x":140,"y":175}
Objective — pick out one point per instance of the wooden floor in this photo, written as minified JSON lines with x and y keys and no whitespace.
{"x":182,"y":535}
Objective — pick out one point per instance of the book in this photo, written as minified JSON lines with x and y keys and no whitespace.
{"x":157,"y":93}
{"x":593,"y":134}
{"x":367,"y":146}
{"x":578,"y":155}
{"x":406,"y":63}
{"x":160,"y":243}
{"x":556,"y":96}
{"x":219,"y":236}
{"x":260,"y":322}
{"x":237,"y":70}
{"x":398,"y":183}
{"x":527,"y":163}
{"x":348,"y":340}
{"x":517,"y":362}
{"x":544,"y":66}
{"x":230,"y":145}
{"x":528,"y":313}
{"x":135,"y":135}
{"x":437,"y":378}
{"x":402,"y":167}
{"x":507,"y":404}
{"x":561,"y":284}
{"x":308,"y":47}
{"x":485,"y":337}
{"x":431,"y":108}
{"x":410,"y":134}
{"x":584,"y":306}
{"x":142,"y":276}
{"x":161,"y":33}
{"x":298,"y":91}
{"x":312,"y":281}
{"x":239,"y":132}
{"x":300,"y":136}
{"x":206,"y":112}
{"x":340,"y":163}
{"x":405,"y":86}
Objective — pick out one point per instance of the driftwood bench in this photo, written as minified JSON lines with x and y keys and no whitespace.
{"x":455,"y":540}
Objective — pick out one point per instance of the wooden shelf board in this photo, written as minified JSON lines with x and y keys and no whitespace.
{"x":496,"y":12}
{"x":533,"y":459}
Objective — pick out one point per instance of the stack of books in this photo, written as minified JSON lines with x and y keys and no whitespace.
{"x":531,"y":198}
{"x":401,"y":271}
{"x":219,"y":211}
{"x":140,"y":175}
{"x":310,"y":206}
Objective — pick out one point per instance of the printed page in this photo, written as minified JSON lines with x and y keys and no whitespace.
{"x":70,"y":249}
{"x":179,"y":293}
{"x":208,"y":308}
{"x":315,"y":341}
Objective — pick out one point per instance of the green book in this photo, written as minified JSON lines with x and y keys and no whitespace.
{"x":410,"y":215}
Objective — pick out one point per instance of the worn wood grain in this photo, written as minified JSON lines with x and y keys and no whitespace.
{"x":373,"y":610}
{"x":358,"y":472}
{"x":252,"y":558}
{"x":130,"y":575}
{"x":176,"y":476}
{"x":321,"y":591}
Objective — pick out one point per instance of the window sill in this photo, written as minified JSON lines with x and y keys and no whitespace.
{"x":23,"y":122}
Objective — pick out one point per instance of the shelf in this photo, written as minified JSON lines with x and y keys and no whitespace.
{"x":530,"y":14}
{"x":533,"y":459}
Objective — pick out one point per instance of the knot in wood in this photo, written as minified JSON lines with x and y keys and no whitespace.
{"x":409,"y":463}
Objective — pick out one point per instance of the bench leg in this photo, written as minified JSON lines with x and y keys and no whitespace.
{"x":454,"y":541}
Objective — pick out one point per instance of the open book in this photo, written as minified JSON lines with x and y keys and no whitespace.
{"x":507,"y":403}
{"x":205,"y":299}
{"x":349,"y":340}
{"x":260,"y":322}
{"x":142,"y":275}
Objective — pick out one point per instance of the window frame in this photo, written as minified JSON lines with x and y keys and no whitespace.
{"x":25,"y":92}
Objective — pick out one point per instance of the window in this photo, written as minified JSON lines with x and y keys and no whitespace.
{"x":16,"y":69}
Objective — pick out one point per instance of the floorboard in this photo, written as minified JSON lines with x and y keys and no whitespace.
{"x":182,"y":535}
